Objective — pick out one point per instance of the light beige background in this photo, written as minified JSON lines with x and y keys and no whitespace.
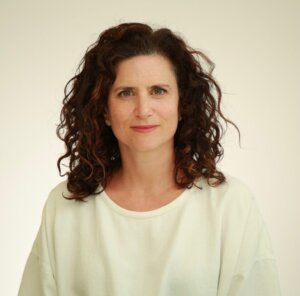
{"x":255,"y":46}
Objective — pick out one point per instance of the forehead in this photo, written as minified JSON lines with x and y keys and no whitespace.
{"x":144,"y":68}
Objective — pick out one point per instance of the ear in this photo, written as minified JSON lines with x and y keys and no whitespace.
{"x":105,"y":113}
{"x":106,"y":117}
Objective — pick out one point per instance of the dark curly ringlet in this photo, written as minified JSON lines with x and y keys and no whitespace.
{"x":91,"y":146}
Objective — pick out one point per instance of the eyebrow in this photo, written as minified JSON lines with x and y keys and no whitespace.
{"x":123,"y":87}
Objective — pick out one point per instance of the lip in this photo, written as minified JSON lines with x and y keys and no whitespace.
{"x":144,"y":128}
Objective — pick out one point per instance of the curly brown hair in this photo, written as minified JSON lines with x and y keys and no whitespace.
{"x":91,"y":146}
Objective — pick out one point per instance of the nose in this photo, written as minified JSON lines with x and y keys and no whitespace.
{"x":143,"y":108}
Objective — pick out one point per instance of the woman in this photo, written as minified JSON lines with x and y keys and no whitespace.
{"x":144,"y":210}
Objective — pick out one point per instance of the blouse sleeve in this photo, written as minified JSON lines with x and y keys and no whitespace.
{"x":248,"y":265}
{"x":38,"y":276}
{"x":261,"y":280}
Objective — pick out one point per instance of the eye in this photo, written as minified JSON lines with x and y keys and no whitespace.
{"x":125,"y":93}
{"x":158,"y":90}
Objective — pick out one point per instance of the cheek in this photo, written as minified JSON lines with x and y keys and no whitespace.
{"x":117,"y":113}
{"x":171,"y":112}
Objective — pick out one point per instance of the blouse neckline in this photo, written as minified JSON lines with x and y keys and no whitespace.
{"x":180,"y":199}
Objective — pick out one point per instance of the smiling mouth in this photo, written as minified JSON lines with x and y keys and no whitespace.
{"x":144,"y":128}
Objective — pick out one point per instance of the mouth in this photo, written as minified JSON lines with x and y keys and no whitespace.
{"x":144,"y":128}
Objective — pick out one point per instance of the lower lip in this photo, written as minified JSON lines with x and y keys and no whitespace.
{"x":144,"y":130}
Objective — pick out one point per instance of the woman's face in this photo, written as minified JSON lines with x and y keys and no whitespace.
{"x":143,"y":104}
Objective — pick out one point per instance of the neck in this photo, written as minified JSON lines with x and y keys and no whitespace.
{"x":146,"y":172}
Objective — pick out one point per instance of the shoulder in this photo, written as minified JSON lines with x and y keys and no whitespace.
{"x":56,"y":195}
{"x":233,"y":199}
{"x":232,"y":190}
{"x":234,"y":205}
{"x":57,"y":202}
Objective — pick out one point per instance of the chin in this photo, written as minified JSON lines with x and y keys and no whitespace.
{"x":152,"y":147}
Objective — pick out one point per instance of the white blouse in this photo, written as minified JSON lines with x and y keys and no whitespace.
{"x":207,"y":242}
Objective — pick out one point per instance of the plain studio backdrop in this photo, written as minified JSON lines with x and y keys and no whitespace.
{"x":255,"y":46}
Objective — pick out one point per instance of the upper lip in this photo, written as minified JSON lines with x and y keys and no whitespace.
{"x":145,"y":126}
